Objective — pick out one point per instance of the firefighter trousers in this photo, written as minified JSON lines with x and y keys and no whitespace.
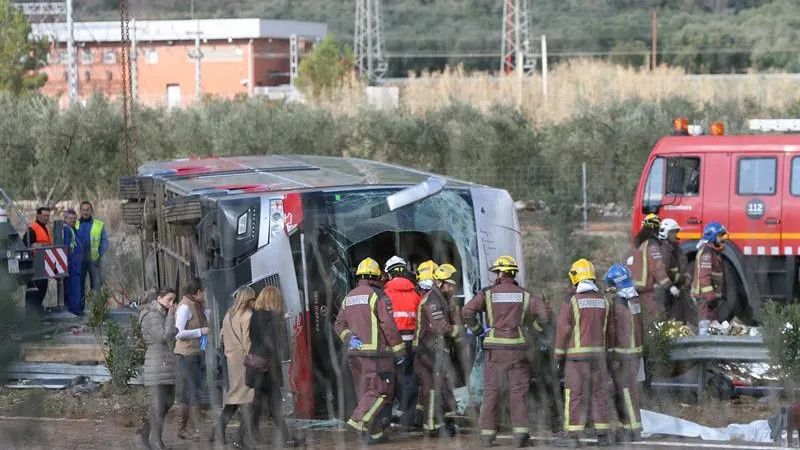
{"x":505,"y":371}
{"x":374,"y":380}
{"x":626,"y":393}
{"x":707,"y":309}
{"x":436,"y":388}
{"x":586,"y":389}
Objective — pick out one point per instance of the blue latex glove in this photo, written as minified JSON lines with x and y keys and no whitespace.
{"x":203,"y":342}
{"x":486,"y":331}
{"x":399,"y":361}
{"x":355,"y":343}
{"x":469,"y":331}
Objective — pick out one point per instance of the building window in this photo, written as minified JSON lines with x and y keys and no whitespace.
{"x":61,"y":57}
{"x":109,"y":56}
{"x":87,"y":57}
{"x":795,"y":178}
{"x":757,"y":176}
{"x":151,"y":56}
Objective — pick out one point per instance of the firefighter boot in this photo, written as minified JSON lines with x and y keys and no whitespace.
{"x":379,"y":438}
{"x":621,"y":436}
{"x":636,"y":436}
{"x":523,"y":440}
{"x":602,"y":440}
{"x":487,"y":441}
{"x":450,"y":428}
{"x":567,"y":440}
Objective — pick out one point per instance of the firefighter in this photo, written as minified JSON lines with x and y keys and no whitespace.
{"x":648,"y":268}
{"x":366,"y":326}
{"x":583,"y":331}
{"x":433,"y":343}
{"x":425,"y":276}
{"x":509,"y":309}
{"x":680,"y":307}
{"x":405,"y":300}
{"x":708,"y":271}
{"x":626,"y":351}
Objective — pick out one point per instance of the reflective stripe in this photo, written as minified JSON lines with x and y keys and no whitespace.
{"x":506,"y":298}
{"x":518,"y":430}
{"x":344,"y":334}
{"x":631,"y":413}
{"x":585,"y":350}
{"x":432,"y":410}
{"x":707,"y":289}
{"x":405,"y":314}
{"x":95,"y":235}
{"x":566,"y":409}
{"x":488,"y":432}
{"x":399,"y":347}
{"x":373,"y":343}
{"x":537,"y":327}
{"x":357,"y":425}
{"x":602,"y":426}
{"x":456,"y":331}
{"x":559,"y":351}
{"x":630,"y":351}
{"x":642,"y":282}
{"x":489,"y":315}
{"x":576,"y":328}
{"x":376,"y":436}
{"x":576,"y":428}
{"x":372,"y":410}
{"x":664,"y":282}
{"x":418,"y":328}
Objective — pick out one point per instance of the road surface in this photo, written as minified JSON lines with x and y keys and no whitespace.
{"x":56,"y":434}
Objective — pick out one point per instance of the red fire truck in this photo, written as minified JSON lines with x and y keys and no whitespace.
{"x":751,"y":184}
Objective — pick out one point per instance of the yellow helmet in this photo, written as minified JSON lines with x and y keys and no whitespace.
{"x":368,"y":267}
{"x":425,"y":270}
{"x":505,"y":263}
{"x":445,"y":273}
{"x":581,"y":270}
{"x":651,"y":221}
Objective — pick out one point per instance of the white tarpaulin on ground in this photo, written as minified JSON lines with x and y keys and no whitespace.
{"x":656,"y":423}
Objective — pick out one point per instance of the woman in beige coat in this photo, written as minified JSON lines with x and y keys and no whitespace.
{"x":236,"y":342}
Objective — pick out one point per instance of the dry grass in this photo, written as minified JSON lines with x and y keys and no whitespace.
{"x":570,"y":86}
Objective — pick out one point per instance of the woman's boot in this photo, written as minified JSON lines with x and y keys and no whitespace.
{"x":183,"y":420}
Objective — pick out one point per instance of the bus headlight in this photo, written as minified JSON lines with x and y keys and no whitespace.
{"x":241,"y":224}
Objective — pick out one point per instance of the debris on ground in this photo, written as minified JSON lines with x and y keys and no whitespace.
{"x":81,"y":385}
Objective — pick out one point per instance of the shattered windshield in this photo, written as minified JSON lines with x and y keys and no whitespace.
{"x":358,"y":216}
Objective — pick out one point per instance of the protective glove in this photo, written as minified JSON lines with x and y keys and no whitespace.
{"x":674,"y":291}
{"x":486,"y":331}
{"x":469,"y":331}
{"x":355,"y":343}
{"x":399,"y":361}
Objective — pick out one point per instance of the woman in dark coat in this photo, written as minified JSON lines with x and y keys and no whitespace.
{"x":266,"y":324}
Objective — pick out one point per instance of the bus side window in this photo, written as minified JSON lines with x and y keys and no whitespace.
{"x":683,"y":176}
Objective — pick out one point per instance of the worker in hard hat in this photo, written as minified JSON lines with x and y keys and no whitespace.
{"x":405,"y":301}
{"x":425,"y":276}
{"x":433,"y":343}
{"x":366,"y":326}
{"x":708,"y":271}
{"x":509,"y":309}
{"x":625,"y":351}
{"x":648,"y":268}
{"x":680,"y":306}
{"x":583,"y":332}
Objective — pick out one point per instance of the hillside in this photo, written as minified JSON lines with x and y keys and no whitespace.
{"x":700,"y":35}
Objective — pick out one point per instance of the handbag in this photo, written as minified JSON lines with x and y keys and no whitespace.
{"x":255,"y":362}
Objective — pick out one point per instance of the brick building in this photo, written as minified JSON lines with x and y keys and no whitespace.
{"x":238,"y":56}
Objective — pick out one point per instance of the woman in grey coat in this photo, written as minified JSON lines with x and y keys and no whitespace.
{"x":157,"y":319}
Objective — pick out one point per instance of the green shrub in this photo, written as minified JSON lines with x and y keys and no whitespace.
{"x":781,"y":333}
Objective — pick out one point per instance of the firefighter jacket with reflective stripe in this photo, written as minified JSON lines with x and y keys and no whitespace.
{"x":648,"y":267}
{"x":585,"y":327}
{"x":366,"y":313}
{"x":405,"y":301}
{"x":708,"y":274}
{"x":628,"y":327}
{"x":435,"y":326}
{"x":509,"y":308}
{"x":40,"y":234}
{"x":676,"y":264}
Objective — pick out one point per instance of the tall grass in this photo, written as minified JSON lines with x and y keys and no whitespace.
{"x":571,"y":87}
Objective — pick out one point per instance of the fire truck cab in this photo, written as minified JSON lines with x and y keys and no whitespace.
{"x":750,"y":184}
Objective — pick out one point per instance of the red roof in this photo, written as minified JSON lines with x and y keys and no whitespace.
{"x":728,"y":144}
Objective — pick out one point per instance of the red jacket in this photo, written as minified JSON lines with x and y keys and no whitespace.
{"x":648,"y":267}
{"x":403,"y":294}
{"x":585,"y":327}
{"x":367,"y":313}
{"x":708,"y":274}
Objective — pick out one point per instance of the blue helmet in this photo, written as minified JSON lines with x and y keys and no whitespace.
{"x":618,"y":276}
{"x":712,"y":230}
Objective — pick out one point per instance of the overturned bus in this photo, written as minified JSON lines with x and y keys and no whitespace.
{"x":303,"y":223}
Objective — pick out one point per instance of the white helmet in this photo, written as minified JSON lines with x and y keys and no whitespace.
{"x":667,"y":225}
{"x":393,"y":262}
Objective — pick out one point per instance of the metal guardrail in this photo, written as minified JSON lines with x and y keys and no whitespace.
{"x":730,"y":348}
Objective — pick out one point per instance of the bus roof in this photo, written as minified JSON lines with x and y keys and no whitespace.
{"x":282,"y":173}
{"x":760,"y":143}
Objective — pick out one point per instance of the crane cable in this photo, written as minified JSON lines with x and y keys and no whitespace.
{"x":127,"y":100}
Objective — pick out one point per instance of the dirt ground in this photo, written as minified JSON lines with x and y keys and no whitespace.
{"x":31,"y":419}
